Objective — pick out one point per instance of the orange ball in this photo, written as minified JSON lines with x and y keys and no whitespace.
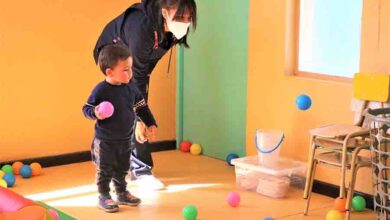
{"x":17,"y":165}
{"x":36,"y":169}
{"x":339,"y":204}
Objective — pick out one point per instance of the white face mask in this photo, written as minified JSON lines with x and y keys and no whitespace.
{"x":179,"y":29}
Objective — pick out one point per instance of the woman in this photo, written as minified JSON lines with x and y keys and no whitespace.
{"x":149,"y":29}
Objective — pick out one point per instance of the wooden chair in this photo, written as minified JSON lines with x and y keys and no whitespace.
{"x":339,"y":145}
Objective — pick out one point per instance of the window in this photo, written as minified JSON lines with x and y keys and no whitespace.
{"x":329,"y":37}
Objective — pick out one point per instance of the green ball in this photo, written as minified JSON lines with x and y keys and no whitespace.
{"x":8,"y":169}
{"x":189,"y":212}
{"x":358,"y":203}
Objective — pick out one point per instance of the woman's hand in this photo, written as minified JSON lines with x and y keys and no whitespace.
{"x":152,"y":132}
{"x":140,"y":132}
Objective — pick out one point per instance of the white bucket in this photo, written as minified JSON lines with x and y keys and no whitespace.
{"x":268,"y":144}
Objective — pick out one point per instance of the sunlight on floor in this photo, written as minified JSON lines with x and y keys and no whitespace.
{"x":63,"y":193}
{"x":86,"y":196}
{"x":183,"y":187}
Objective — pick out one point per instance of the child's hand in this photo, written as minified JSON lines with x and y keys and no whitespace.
{"x":152,"y":132}
{"x":140,"y":132}
{"x":98,"y":113}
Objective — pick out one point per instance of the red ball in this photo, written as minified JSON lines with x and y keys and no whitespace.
{"x":339,"y":204}
{"x":185,"y":146}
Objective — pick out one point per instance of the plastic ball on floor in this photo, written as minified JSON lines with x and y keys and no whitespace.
{"x":53,"y":213}
{"x":7,"y":169}
{"x":358,"y":203}
{"x":303,"y":102}
{"x":185,"y":146}
{"x":334,"y":215}
{"x":268,"y":218}
{"x":1,"y":174}
{"x":3,"y":183}
{"x":106,"y":109}
{"x":16,"y":166}
{"x":36,"y":169}
{"x":196,"y":149}
{"x":230,"y":157}
{"x":233,"y":199}
{"x":190,"y":212}
{"x":339,"y":204}
{"x":10,"y":179}
{"x":25,"y":171}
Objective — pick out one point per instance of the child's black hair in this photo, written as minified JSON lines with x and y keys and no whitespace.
{"x":110,"y":55}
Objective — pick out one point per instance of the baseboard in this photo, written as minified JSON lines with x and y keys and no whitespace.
{"x":162,"y":145}
{"x":331,"y":190}
{"x":83,"y":156}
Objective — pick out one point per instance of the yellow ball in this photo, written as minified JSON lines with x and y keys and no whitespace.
{"x":3,"y":183}
{"x":196,"y":149}
{"x":334,"y":215}
{"x":1,"y":174}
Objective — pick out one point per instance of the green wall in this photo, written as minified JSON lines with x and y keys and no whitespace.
{"x":212,"y":79}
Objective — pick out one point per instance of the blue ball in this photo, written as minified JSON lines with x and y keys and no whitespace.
{"x":303,"y":102}
{"x":230,"y":157}
{"x":10,"y":179}
{"x":268,"y":218}
{"x":25,"y":171}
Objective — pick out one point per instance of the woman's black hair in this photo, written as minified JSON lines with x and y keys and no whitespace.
{"x":182,"y":6}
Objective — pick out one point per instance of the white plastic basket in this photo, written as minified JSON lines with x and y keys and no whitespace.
{"x":273,"y":181}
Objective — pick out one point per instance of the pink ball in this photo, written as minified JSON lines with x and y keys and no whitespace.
{"x":54,"y":214}
{"x":106,"y":109}
{"x":233,"y":199}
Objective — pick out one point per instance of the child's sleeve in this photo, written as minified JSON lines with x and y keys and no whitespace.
{"x":92,"y":102}
{"x":142,"y":110}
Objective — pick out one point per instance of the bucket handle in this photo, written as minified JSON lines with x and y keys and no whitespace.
{"x":269,"y":151}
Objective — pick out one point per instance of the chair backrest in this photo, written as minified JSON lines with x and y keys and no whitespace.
{"x":371,"y":87}
{"x":369,"y":91}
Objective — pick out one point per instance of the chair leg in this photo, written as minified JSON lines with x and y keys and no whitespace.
{"x":350,"y":194}
{"x":354,"y":168}
{"x":343,"y":170}
{"x":310,"y":186}
{"x":309,"y":168}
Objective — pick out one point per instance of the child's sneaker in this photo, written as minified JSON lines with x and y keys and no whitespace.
{"x":107,"y":204}
{"x":127,"y":199}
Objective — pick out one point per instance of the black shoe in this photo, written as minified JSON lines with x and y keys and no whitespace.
{"x":127,"y":199}
{"x":107,"y":204}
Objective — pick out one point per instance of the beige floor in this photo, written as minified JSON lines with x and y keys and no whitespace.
{"x":198,"y":180}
